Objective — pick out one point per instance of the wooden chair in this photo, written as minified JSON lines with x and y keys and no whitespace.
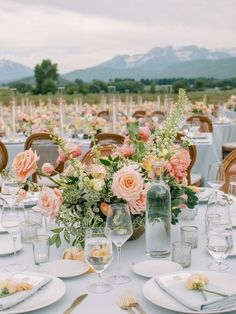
{"x":108,"y":138}
{"x":228,"y":148}
{"x":205,"y":123}
{"x":104,"y":114}
{"x":3,"y":156}
{"x":104,"y":150}
{"x":229,"y":164}
{"x":139,"y":114}
{"x":47,"y":151}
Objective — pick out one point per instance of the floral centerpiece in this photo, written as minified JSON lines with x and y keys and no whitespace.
{"x":201,"y":108}
{"x":84,"y":192}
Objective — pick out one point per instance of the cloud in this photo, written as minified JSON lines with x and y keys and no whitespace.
{"x":78,"y":34}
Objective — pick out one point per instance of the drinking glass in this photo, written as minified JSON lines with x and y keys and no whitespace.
{"x":98,"y":254}
{"x":11,"y":187}
{"x":232,"y":189}
{"x":119,"y":223}
{"x":41,"y":249}
{"x":196,"y":124}
{"x":10,"y":221}
{"x":216,"y":177}
{"x":80,"y":133}
{"x":219,"y":244}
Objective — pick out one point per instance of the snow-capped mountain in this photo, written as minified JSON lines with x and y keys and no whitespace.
{"x":10,"y":71}
{"x":186,"y":61}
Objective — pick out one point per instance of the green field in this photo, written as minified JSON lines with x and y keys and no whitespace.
{"x":213,"y":96}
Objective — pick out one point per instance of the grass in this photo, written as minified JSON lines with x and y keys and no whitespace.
{"x":213,"y":96}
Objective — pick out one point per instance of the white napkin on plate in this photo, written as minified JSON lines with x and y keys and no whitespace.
{"x":175,"y":285}
{"x":37,"y":281}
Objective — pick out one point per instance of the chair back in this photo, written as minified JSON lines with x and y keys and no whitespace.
{"x":108,"y":138}
{"x":139,"y":114}
{"x":104,"y":151}
{"x":229,"y":164}
{"x":46,"y":149}
{"x":3,"y":156}
{"x":104,"y":114}
{"x":205,"y":123}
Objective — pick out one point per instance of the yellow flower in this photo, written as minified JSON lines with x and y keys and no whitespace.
{"x":196,"y":281}
{"x":195,"y":189}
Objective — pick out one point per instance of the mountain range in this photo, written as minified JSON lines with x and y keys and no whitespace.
{"x":167,"y":62}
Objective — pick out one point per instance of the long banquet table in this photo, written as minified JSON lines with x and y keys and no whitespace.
{"x":132,"y":252}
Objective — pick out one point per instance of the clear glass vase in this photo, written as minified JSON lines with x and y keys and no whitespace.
{"x":158,"y":216}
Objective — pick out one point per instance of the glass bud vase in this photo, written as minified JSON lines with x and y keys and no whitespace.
{"x":158,"y":216}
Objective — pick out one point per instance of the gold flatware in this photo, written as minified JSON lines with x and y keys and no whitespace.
{"x":76,"y":302}
{"x":122,"y":302}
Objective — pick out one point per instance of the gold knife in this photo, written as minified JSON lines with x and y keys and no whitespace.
{"x":76,"y":302}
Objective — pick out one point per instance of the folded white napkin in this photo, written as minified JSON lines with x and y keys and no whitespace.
{"x":175,"y":286}
{"x":36,"y":280}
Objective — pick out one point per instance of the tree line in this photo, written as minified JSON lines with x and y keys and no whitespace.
{"x":47,"y":79}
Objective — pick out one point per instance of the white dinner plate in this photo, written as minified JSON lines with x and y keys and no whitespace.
{"x":159,"y":297}
{"x":12,"y":142}
{"x":65,"y":268}
{"x":2,"y":230}
{"x":49,"y":294}
{"x":152,"y":268}
{"x":6,"y":246}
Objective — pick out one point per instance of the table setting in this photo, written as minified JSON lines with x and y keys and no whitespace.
{"x":125,"y":233}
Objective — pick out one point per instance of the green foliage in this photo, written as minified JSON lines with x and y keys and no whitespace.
{"x":46,"y":76}
{"x":180,"y":84}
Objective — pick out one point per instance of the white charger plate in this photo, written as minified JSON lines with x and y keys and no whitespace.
{"x":65,"y":268}
{"x":152,"y":268}
{"x":6,"y":246}
{"x":49,"y":294}
{"x":158,"y":296}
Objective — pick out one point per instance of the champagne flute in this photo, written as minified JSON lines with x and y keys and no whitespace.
{"x":216,"y":177}
{"x":219,"y":244}
{"x":98,"y":254}
{"x":119,"y":223}
{"x":11,"y":220}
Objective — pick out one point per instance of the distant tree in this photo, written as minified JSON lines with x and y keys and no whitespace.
{"x":22,"y":87}
{"x":180,"y":84}
{"x":153,"y":87}
{"x":46,"y":76}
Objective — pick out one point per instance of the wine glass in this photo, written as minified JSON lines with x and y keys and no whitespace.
{"x":11,"y":187}
{"x":219,"y":244}
{"x":216,"y":177}
{"x":196,"y":124}
{"x":119,"y":223}
{"x":10,"y":221}
{"x":232,"y":189}
{"x":80,"y":133}
{"x":98,"y":254}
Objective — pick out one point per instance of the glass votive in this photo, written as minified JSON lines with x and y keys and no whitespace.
{"x":28,"y":231}
{"x":41,"y":249}
{"x":50,"y":224}
{"x":181,"y":253}
{"x":187,"y":214}
{"x":190,"y":234}
{"x":35,"y":216}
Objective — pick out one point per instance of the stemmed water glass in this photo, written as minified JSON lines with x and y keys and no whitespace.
{"x":119,"y":223}
{"x":98,"y":254}
{"x":232,"y":189}
{"x":219,"y":244}
{"x":10,"y":187}
{"x":216,"y":177}
{"x":11,"y":219}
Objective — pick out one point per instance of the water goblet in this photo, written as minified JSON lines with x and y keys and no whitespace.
{"x":216,"y":177}
{"x":219,"y":244}
{"x":98,"y":254}
{"x":119,"y":223}
{"x":10,"y":221}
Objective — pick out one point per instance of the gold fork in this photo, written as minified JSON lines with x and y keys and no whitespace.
{"x":124,"y":305}
{"x":132,"y":302}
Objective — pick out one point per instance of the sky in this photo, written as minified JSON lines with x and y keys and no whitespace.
{"x":81,"y":33}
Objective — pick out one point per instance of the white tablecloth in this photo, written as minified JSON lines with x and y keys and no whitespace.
{"x":132,"y":252}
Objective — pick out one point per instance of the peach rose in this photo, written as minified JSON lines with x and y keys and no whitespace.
{"x":47,"y":169}
{"x":127,"y":183}
{"x":144,"y":133}
{"x":49,"y":201}
{"x":25,"y":164}
{"x":104,"y":208}
{"x":126,"y":150}
{"x":74,"y":150}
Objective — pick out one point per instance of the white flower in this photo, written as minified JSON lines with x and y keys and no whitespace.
{"x":97,"y":184}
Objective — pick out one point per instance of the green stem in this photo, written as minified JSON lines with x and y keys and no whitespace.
{"x":204,"y":295}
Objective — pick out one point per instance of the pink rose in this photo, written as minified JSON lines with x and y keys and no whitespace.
{"x":25,"y":164}
{"x":73,"y":149}
{"x":178,"y":164}
{"x":127,"y":183}
{"x":144,"y":133}
{"x":126,"y":150}
{"x":138,"y":206}
{"x":49,"y":202}
{"x":47,"y":168}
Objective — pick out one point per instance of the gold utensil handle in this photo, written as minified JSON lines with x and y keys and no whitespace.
{"x":141,"y":310}
{"x":76,"y":302}
{"x":130,"y":310}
